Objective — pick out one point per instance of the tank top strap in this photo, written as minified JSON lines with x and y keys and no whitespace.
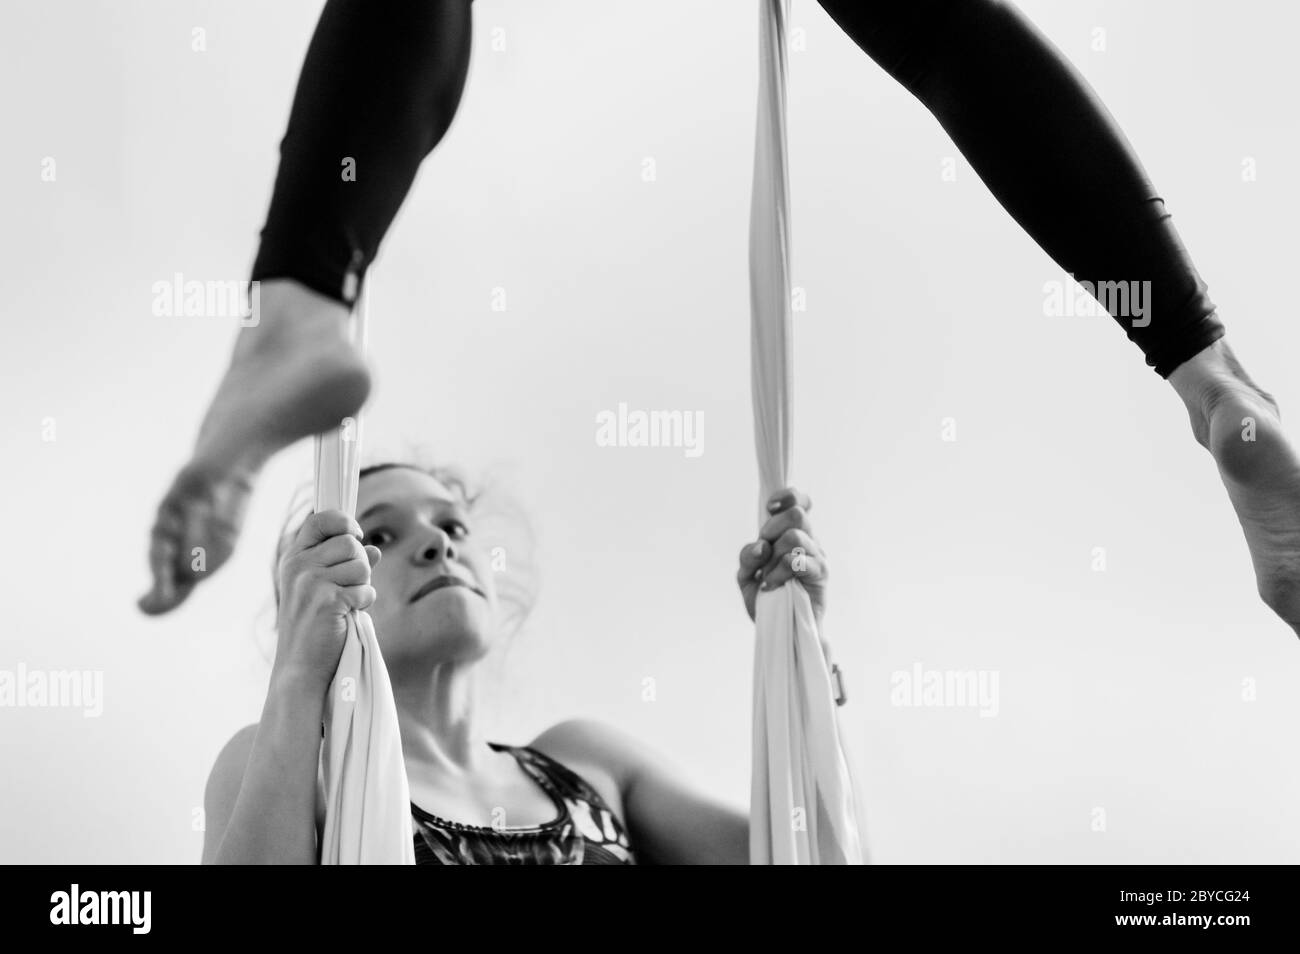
{"x":540,"y":768}
{"x":555,"y":776}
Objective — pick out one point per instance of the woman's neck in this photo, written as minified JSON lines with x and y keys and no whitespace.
{"x":437,"y":713}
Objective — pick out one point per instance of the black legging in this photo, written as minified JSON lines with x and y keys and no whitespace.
{"x":378,"y":90}
{"x":381,"y":88}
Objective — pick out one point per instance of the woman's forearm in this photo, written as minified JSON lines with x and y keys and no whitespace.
{"x":274,"y":818}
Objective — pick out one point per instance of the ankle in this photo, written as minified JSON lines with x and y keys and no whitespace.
{"x":290,"y":313}
{"x":1213,"y":383}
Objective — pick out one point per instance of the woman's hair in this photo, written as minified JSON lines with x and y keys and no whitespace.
{"x":498,"y":518}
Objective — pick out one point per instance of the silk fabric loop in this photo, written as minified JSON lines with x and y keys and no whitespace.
{"x":802,"y":809}
{"x":362,"y":775}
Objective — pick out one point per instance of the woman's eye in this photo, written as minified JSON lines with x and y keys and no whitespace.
{"x":377,"y":538}
{"x":464,"y":530}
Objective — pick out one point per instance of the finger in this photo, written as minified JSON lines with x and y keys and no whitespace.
{"x":788,"y":497}
{"x":748,"y":592}
{"x":752,"y":557}
{"x":358,"y":597}
{"x":174,"y":576}
{"x":162,"y":555}
{"x":204,"y":541}
{"x":351,"y":573}
{"x":164,"y":546}
{"x":748,"y":584}
{"x":374,"y":555}
{"x":794,"y":518}
{"x":790,"y":541}
{"x":805,"y":567}
{"x":319,"y":527}
{"x":336,"y":550}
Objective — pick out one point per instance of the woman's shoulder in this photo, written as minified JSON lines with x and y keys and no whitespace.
{"x":240,"y":743}
{"x":590,"y":744}
{"x":224,"y":782}
{"x":233,"y":758}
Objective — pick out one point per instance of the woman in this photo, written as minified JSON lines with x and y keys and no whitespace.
{"x":381,"y":90}
{"x":579,"y":793}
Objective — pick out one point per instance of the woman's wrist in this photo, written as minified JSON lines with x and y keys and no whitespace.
{"x":298,"y":692}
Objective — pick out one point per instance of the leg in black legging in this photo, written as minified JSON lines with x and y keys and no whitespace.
{"x":1047,"y":148}
{"x":379,"y":87}
{"x":1054,"y":157}
{"x":378,"y":90}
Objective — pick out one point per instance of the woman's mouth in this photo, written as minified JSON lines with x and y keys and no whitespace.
{"x":442,"y":582}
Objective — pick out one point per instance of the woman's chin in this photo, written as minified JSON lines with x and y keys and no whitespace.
{"x":454,"y":618}
{"x":447,"y":610}
{"x":449,"y":634}
{"x":437,"y":649}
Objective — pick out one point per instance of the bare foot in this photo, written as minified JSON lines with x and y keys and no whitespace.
{"x":1241,"y":427}
{"x":292,"y":375}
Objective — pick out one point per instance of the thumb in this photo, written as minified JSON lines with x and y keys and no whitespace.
{"x":374,"y":555}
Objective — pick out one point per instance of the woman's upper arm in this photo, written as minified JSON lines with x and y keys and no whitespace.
{"x":224,"y":782}
{"x":668,"y":820}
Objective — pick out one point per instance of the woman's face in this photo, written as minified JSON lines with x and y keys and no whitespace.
{"x":436,"y":599}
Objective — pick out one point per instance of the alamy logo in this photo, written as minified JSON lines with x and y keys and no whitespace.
{"x":208,"y":299}
{"x":944,"y":688}
{"x":102,"y":907}
{"x":651,"y":429}
{"x":56,"y":689}
{"x":1074,"y":299}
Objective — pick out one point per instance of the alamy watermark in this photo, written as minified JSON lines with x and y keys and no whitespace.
{"x":626,"y":428}
{"x":179,"y":298}
{"x":127,"y":908}
{"x":25,"y":688}
{"x":946,"y":688}
{"x":1075,"y":299}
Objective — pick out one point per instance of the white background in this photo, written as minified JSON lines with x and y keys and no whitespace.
{"x":1120,"y":690}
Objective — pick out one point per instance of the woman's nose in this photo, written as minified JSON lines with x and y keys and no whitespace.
{"x":438,"y":546}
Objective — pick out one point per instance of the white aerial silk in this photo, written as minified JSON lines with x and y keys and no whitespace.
{"x":362,"y":779}
{"x":802,"y":809}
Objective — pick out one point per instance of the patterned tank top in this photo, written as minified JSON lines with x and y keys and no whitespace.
{"x":584,"y":832}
